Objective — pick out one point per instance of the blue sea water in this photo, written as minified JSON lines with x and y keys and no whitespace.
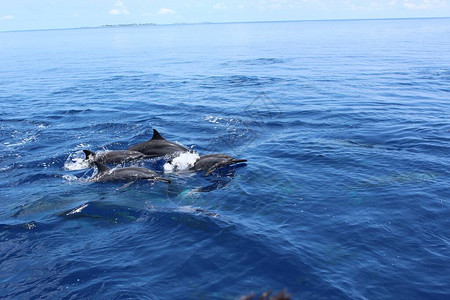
{"x":345,"y":125}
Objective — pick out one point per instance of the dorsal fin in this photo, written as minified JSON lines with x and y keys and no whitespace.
{"x":156,"y":135}
{"x":101,"y":167}
{"x":89,"y":153}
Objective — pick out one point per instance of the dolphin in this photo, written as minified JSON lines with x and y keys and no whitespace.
{"x":158,"y":146}
{"x":129,"y":174}
{"x":113,"y":157}
{"x":211,"y":162}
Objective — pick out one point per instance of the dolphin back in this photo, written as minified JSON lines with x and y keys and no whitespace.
{"x":211,"y":162}
{"x":158,"y":146}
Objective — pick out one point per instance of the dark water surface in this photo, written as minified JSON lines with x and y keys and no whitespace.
{"x":345,"y":125}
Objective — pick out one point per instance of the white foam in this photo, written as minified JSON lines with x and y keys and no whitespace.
{"x":220,"y":120}
{"x":6,"y":168}
{"x":182,"y":162}
{"x":212,"y":119}
{"x":76,"y":162}
{"x":82,"y":146}
{"x":70,"y":178}
{"x":22,"y":142}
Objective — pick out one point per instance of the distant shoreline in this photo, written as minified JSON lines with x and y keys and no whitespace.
{"x":212,"y":23}
{"x":123,"y":25}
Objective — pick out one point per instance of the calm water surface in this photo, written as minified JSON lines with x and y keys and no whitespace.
{"x":345,"y":125}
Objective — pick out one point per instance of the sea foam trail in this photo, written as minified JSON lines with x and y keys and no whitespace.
{"x":182,"y":162}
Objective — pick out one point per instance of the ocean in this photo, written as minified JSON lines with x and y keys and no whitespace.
{"x":345,"y":195}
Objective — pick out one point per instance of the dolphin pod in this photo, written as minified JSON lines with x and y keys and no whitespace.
{"x":157,"y":146}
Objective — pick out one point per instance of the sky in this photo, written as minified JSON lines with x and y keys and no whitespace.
{"x":53,"y":14}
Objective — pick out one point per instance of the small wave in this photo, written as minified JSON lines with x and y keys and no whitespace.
{"x":22,"y":142}
{"x":82,"y":146}
{"x":6,"y":168}
{"x":211,"y":119}
{"x":182,"y":162}
{"x":242,"y":80}
{"x":186,"y":209}
{"x":70,"y":178}
{"x":104,"y":211}
{"x":262,"y":61}
{"x":77,"y":209}
{"x":20,"y":226}
{"x":256,"y":61}
{"x":219,"y":120}
{"x":239,"y":81}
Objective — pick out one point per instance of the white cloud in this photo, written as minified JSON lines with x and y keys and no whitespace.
{"x":296,"y":4}
{"x":119,"y":9}
{"x":424,"y":4}
{"x":8,"y":17}
{"x":220,"y":6}
{"x":165,"y":11}
{"x":368,"y":6}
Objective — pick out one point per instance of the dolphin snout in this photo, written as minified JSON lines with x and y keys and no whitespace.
{"x":236,"y":161}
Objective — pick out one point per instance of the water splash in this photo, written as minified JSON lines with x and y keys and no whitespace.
{"x":182,"y":162}
{"x":70,"y":178}
{"x":76,"y":161}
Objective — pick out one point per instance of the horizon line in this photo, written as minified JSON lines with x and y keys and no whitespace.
{"x":218,"y":23}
